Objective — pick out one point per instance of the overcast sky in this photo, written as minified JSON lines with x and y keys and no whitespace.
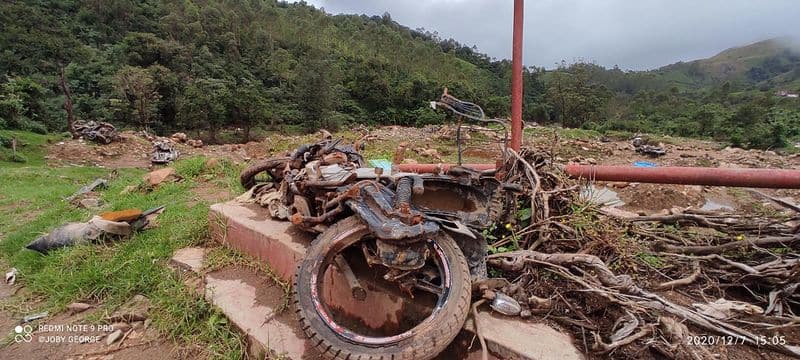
{"x":634,"y":34}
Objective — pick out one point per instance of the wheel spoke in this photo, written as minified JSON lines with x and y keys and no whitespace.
{"x":427,"y":286}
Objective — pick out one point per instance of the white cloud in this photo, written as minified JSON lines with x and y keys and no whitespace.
{"x":632,"y":34}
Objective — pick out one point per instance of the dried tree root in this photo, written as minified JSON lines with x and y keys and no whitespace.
{"x":481,"y":339}
{"x":622,"y":290}
{"x":518,"y":260}
{"x":683,"y":281}
{"x":603,"y":347}
{"x":780,"y":202}
{"x":718,"y":249}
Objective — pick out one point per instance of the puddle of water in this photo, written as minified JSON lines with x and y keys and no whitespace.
{"x":603,"y":196}
{"x":717,"y":204}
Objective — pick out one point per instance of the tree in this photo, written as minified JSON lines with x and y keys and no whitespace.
{"x":576,"y":99}
{"x":138,"y":95}
{"x":251,"y":106}
{"x":204,"y":105}
{"x":314,"y":90}
{"x":21,"y":104}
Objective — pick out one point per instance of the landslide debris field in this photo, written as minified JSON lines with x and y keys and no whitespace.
{"x":629,"y":270}
{"x":436,"y":144}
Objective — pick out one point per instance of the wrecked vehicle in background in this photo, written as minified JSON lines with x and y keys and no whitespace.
{"x":163,"y":152}
{"x":418,"y":236}
{"x":641,"y":147}
{"x":97,"y":131}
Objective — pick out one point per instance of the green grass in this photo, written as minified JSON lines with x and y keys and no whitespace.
{"x":29,"y":145}
{"x":31,"y":203}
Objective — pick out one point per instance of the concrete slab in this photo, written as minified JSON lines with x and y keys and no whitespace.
{"x":514,"y":338}
{"x":249,"y":229}
{"x":190,"y":258}
{"x":253,"y":304}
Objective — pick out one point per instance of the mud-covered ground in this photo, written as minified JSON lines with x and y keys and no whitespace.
{"x":434,"y":144}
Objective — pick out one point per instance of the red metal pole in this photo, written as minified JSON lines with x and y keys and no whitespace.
{"x":516,"y":77}
{"x":757,"y":178}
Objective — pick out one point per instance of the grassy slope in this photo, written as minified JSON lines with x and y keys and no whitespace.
{"x":731,"y":64}
{"x":31,"y":203}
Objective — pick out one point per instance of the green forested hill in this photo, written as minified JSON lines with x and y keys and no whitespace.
{"x":770,"y":63}
{"x":202,"y":64}
{"x":207,"y":66}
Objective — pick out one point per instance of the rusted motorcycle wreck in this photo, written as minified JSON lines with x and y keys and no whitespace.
{"x":416,"y":237}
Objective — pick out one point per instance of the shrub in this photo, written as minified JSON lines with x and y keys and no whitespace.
{"x":35,"y":127}
{"x":17,"y":158}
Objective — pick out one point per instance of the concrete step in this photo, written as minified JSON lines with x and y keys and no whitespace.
{"x":249,"y":229}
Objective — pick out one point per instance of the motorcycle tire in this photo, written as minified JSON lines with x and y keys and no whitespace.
{"x":273,"y":166}
{"x":424,"y":341}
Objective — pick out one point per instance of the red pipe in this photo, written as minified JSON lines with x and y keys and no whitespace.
{"x":516,"y":77}
{"x":758,"y":178}
{"x":755,"y":178}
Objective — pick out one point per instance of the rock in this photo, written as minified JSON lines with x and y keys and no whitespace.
{"x":159,"y":176}
{"x":620,"y":185}
{"x":695,"y":188}
{"x":90,"y":203}
{"x":113,"y":337}
{"x":136,"y":309}
{"x":410,"y":161}
{"x":196,"y":143}
{"x":137,"y":324}
{"x":121,"y":326}
{"x":78,"y":307}
{"x":179,"y":137}
{"x":212,"y":164}
{"x":591,"y":161}
{"x":147,"y":323}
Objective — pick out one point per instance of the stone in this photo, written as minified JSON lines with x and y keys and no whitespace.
{"x":179,"y":137}
{"x":620,"y":185}
{"x":78,"y":307}
{"x":135,"y":309}
{"x":211,"y":164}
{"x":191,"y":258}
{"x":121,"y":326}
{"x":90,"y":203}
{"x":159,"y":176}
{"x":113,"y":337}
